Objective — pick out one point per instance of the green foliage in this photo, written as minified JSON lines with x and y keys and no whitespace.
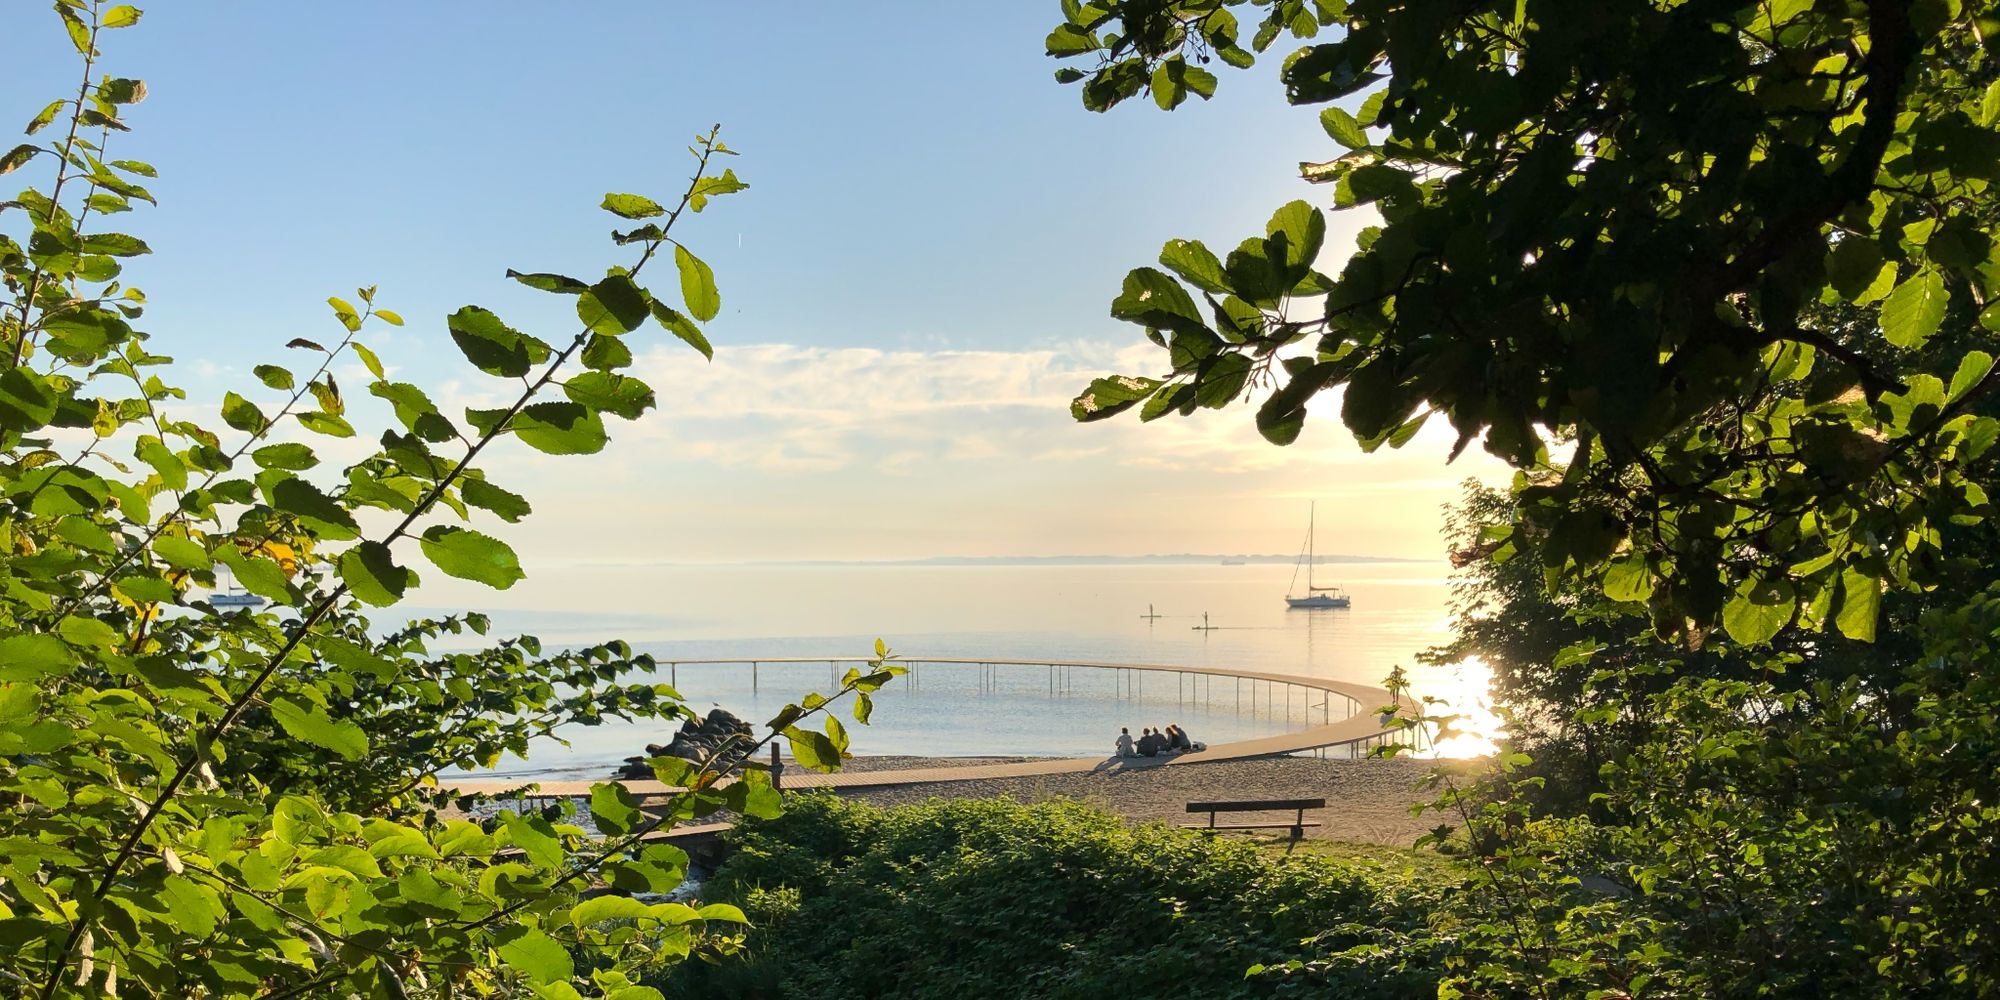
{"x":990,"y":898}
{"x":1652,"y":258}
{"x":228,"y":802}
{"x":1716,"y":278}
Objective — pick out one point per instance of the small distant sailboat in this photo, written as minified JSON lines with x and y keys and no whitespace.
{"x":1316,"y":596}
{"x":234,"y":596}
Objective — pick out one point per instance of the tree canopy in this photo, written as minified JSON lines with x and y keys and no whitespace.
{"x":1698,"y":255}
{"x":1717,"y":279}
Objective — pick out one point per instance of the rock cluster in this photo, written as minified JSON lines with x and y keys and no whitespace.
{"x":722,"y":736}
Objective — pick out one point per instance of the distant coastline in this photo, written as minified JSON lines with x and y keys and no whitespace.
{"x":1173,"y":559}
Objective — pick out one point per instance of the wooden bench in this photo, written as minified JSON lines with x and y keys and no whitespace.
{"x":1297,"y":825}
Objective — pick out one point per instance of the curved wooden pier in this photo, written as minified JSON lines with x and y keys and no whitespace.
{"x":1359,"y":728}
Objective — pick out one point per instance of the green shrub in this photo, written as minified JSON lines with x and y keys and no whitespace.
{"x":995,"y":899}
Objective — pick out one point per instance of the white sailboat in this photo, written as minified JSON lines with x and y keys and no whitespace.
{"x":1316,"y":596}
{"x":232,"y":595}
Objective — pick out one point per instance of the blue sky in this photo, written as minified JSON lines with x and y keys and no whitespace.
{"x":915,"y":282}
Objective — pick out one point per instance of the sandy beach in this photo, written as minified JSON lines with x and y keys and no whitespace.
{"x":1368,"y":801}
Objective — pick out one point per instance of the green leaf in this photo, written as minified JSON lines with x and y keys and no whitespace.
{"x":1343,"y":129}
{"x":34,"y":656}
{"x":258,"y":575}
{"x":344,"y":312}
{"x":181,"y":553}
{"x":710,"y":187}
{"x":121,"y":16}
{"x":88,"y":632}
{"x":1195,"y":264}
{"x":19,"y":704}
{"x":559,"y":283}
{"x":242,"y":414}
{"x":311,"y":724}
{"x":1168,"y":92}
{"x":173,"y":472}
{"x":79,"y":33}
{"x":1627,"y":579}
{"x":1972,"y":370}
{"x":145,"y":589}
{"x":682,"y":327}
{"x":424,"y":893}
{"x":509,"y":507}
{"x":1321,"y":73}
{"x":315,"y":509}
{"x":619,"y":395}
{"x":471,"y":555}
{"x":752,"y":795}
{"x":1758,"y":610}
{"x":615,"y":810}
{"x":1068,"y":40}
{"x":813,"y":750}
{"x":560,"y":428}
{"x":632,"y":206}
{"x":535,"y":838}
{"x":326,"y":423}
{"x":47,"y":115}
{"x":607,"y":353}
{"x":372,"y":575}
{"x":697,"y":285}
{"x":26,"y":401}
{"x":1913,"y":311}
{"x":273,"y":376}
{"x":1860,"y":605}
{"x":291,"y":456}
{"x":1304,"y":229}
{"x":18,"y":155}
{"x":1155,"y":300}
{"x":612,"y":306}
{"x":537,"y":956}
{"x":492,"y":346}
{"x":598,"y":909}
{"x":114,"y":245}
{"x":1110,"y":396}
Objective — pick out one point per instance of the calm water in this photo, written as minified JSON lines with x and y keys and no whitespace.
{"x":1002,"y":612}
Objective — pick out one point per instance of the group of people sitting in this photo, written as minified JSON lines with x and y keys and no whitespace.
{"x":1155,"y":742}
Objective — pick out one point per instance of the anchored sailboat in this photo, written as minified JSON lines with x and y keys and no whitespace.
{"x":232,"y":595}
{"x":1316,"y":596}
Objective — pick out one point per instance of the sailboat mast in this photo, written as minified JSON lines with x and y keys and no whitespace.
{"x":1312,"y":554}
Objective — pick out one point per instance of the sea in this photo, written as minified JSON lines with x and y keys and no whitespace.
{"x":1196,"y":615}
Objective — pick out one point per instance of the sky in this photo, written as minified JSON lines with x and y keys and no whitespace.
{"x":915,"y":284}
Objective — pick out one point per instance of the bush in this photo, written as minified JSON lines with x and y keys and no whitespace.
{"x":992,"y":898}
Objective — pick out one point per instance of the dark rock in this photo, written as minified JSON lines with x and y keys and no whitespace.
{"x":722,"y":736}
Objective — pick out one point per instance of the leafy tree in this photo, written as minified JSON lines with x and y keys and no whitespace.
{"x":1716,"y":278}
{"x":1614,"y":226}
{"x":200,"y":800}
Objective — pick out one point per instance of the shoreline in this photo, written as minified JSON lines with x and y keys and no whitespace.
{"x":1368,"y":801}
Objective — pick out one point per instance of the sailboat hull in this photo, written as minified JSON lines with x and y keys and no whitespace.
{"x":1317,"y":601}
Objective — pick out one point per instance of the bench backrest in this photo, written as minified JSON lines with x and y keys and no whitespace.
{"x":1255,"y":805}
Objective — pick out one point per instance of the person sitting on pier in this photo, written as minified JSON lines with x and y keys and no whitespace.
{"x":1125,"y":748}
